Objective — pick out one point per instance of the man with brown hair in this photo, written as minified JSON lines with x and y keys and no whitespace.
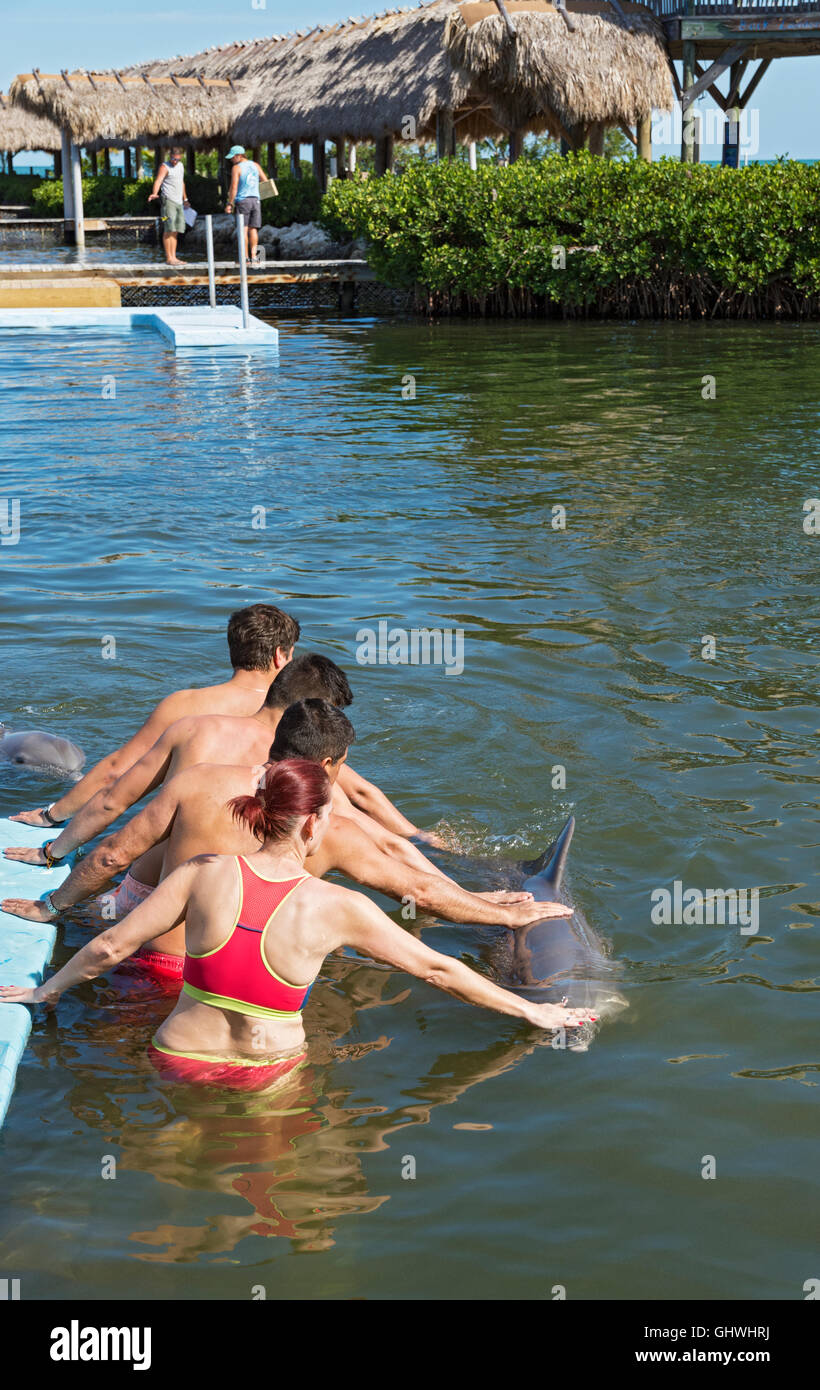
{"x":261,"y":639}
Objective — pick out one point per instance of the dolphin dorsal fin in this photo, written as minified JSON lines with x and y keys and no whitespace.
{"x":551,"y":864}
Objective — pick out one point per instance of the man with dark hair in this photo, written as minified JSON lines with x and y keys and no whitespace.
{"x":192,"y":816}
{"x":312,"y":729}
{"x":258,"y":635}
{"x":310,"y":677}
{"x":260,"y":640}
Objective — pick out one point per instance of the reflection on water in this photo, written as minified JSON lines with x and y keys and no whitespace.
{"x":583,"y":650}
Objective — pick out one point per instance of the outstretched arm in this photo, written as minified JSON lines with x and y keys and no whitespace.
{"x":369,"y":798}
{"x":347,"y":848}
{"x":109,"y":857}
{"x":110,"y":767}
{"x":164,"y":909}
{"x":109,"y":804}
{"x":365,"y":927}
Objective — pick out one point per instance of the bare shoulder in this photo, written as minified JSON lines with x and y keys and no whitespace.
{"x":331,"y":899}
{"x":183,"y":703}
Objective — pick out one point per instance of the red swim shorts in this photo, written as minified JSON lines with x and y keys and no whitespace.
{"x":167,"y":967}
{"x":235,"y":1076}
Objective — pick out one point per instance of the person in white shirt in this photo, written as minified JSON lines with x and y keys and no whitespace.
{"x":169,"y":185}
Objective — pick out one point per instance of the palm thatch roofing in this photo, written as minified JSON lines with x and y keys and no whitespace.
{"x":127,"y":107}
{"x":19,"y":130}
{"x":388,"y":74}
{"x":366,"y":78}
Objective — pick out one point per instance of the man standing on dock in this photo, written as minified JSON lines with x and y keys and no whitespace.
{"x":243,"y":195}
{"x":169,"y":184}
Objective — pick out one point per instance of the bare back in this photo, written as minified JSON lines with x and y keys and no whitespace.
{"x":207,"y":738}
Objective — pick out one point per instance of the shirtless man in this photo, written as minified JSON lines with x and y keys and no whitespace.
{"x":218,"y":738}
{"x":191,"y":812}
{"x":260,"y":643}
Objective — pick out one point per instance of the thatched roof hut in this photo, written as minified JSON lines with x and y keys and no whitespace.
{"x":128,"y":107}
{"x":362,"y":79}
{"x":20,"y":130}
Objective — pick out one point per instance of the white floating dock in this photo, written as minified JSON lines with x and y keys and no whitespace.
{"x":188,"y":327}
{"x":25,"y":947}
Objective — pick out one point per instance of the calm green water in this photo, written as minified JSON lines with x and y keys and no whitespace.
{"x":534,"y":1167}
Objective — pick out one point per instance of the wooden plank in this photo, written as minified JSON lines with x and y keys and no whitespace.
{"x":754,"y":27}
{"x":758,"y":77}
{"x":115,"y":78}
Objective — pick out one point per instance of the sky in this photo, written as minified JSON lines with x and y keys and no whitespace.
{"x":55,"y":34}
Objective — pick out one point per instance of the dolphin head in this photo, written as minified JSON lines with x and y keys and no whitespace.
{"x":36,"y":748}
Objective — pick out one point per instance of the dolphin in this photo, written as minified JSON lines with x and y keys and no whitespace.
{"x":35,"y":748}
{"x":560,"y":958}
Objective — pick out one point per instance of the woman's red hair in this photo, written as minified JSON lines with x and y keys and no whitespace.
{"x":294,"y":788}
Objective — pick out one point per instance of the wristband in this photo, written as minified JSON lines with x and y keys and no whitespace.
{"x":47,"y":810}
{"x":49,"y":905}
{"x":51,"y":859}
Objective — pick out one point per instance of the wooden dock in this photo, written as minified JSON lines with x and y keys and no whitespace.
{"x":145,"y":274}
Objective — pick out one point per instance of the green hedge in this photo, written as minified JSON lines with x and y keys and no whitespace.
{"x":18,"y":188}
{"x":105,"y":195}
{"x":299,"y":199}
{"x":657,"y":240}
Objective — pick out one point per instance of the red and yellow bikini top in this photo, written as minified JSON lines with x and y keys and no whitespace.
{"x":236,"y":974}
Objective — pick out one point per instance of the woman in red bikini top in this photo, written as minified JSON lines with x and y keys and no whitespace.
{"x":257,"y":930}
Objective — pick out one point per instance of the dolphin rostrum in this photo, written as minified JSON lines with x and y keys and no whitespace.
{"x":35,"y":748}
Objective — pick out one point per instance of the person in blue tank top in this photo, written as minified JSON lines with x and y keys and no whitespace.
{"x":243,"y":195}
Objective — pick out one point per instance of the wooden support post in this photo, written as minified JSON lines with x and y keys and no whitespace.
{"x":106,"y":160}
{"x":295,"y":159}
{"x":687,"y":151}
{"x":157,"y":158}
{"x":58,"y":164}
{"x":341,"y":168}
{"x":320,"y":165}
{"x":256,"y":154}
{"x":126,"y":162}
{"x":92,"y":163}
{"x":575,"y":141}
{"x":384,"y":155}
{"x":77,"y":195}
{"x":223,"y":176}
{"x":347,"y":296}
{"x":731,"y":129}
{"x":471,"y":155}
{"x":68,"y":194}
{"x":351,"y":159}
{"x":270,"y":157}
{"x":190,"y":162}
{"x":139,"y":162}
{"x":516,"y":144}
{"x":645,"y":138}
{"x":596,"y":137}
{"x":445,"y":135}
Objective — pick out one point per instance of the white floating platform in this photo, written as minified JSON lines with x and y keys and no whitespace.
{"x":25,"y":947}
{"x":189,"y":327}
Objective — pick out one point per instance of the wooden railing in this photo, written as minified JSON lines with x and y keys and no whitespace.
{"x":667,"y":9}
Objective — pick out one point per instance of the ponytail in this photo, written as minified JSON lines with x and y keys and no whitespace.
{"x":290,"y":790}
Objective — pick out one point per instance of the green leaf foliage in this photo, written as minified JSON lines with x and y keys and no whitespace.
{"x":584,"y":235}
